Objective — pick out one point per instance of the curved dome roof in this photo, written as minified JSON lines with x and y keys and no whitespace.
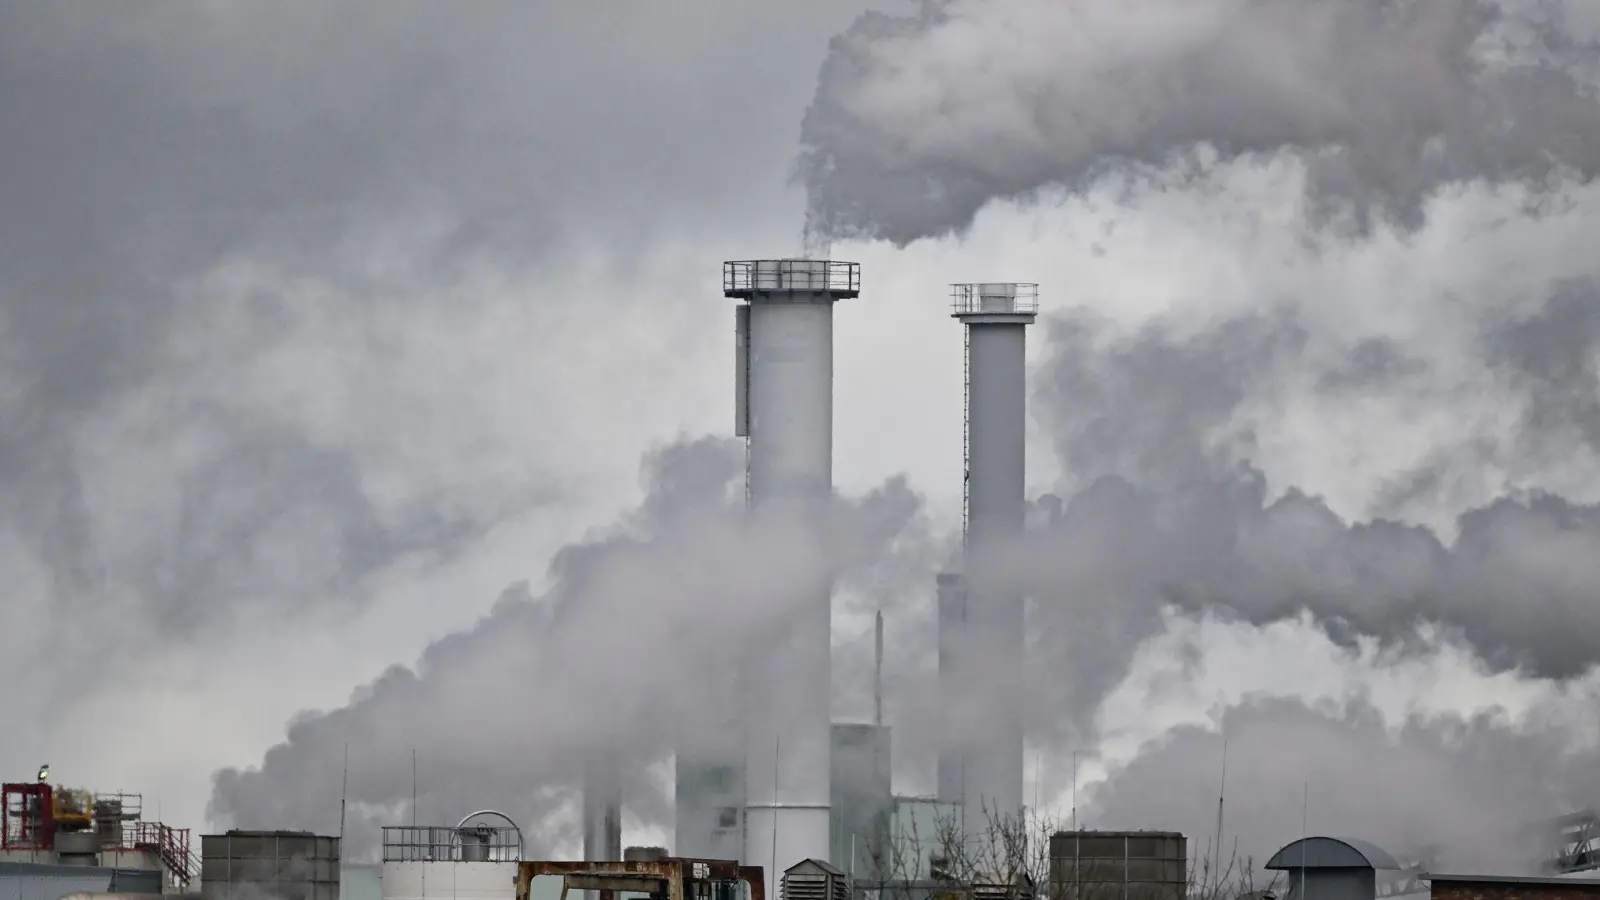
{"x":1332,"y":853}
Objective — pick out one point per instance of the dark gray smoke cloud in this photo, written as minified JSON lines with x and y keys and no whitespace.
{"x":620,"y":653}
{"x":920,"y":120}
{"x":1516,"y":583}
{"x":1460,"y":793}
{"x":130,"y":175}
{"x":1553,"y":356}
{"x":231,"y":240}
{"x":1158,"y":425}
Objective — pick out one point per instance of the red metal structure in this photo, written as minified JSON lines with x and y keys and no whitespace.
{"x":27,"y":817}
{"x":171,"y":844}
{"x":31,"y":814}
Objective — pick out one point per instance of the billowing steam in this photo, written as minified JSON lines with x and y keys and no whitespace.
{"x":1332,"y":765}
{"x":243,"y":320}
{"x":1170,"y":521}
{"x":627,"y":651}
{"x":1516,"y":583}
{"x":1166,"y":506}
{"x":921,"y":120}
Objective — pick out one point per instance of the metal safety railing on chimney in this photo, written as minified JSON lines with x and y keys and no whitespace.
{"x":1007,"y":298}
{"x":762,"y":275}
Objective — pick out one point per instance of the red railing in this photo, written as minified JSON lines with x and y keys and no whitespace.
{"x":171,"y":844}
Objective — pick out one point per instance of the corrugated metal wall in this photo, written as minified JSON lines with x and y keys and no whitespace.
{"x":286,"y":864}
{"x":33,"y":881}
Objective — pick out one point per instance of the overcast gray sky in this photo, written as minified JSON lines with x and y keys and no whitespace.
{"x":322,"y":324}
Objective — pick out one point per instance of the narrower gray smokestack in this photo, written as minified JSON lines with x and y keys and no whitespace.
{"x":990,"y":653}
{"x":602,"y":808}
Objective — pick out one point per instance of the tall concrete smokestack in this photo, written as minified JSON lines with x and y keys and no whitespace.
{"x":786,"y":396}
{"x":996,"y":317}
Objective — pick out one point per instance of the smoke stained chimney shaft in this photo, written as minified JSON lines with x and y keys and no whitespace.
{"x":602,"y":812}
{"x":788,"y":386}
{"x":991,"y":644}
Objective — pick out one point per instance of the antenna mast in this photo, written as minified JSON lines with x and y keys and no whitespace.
{"x":1222,"y":791}
{"x":344,"y":785}
{"x":777,"y":747}
{"x":877,"y":669}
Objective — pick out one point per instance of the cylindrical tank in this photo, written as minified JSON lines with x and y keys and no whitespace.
{"x":790,"y":424}
{"x":475,"y":843}
{"x":996,"y":317}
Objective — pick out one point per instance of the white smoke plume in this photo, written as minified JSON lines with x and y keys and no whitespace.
{"x":1166,"y":516}
{"x":625,"y":652}
{"x":918,"y":123}
{"x":1461,"y":794}
{"x":921,"y":120}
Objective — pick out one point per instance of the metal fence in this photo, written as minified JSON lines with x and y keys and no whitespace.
{"x":755,"y":276}
{"x":1006,"y":298}
{"x":436,"y":843}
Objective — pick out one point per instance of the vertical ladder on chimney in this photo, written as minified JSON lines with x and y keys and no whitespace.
{"x":966,"y":431}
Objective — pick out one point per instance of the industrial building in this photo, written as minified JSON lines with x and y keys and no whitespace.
{"x":57,"y":841}
{"x":1576,"y":841}
{"x":862,"y":802}
{"x":1512,"y":887}
{"x":917,"y":831}
{"x":780,"y":786}
{"x":44,"y":881}
{"x":1330,"y":868}
{"x":50,"y":835}
{"x":286,"y":865}
{"x":1119,"y":865}
{"x":1343,"y":868}
{"x":467,"y":860}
